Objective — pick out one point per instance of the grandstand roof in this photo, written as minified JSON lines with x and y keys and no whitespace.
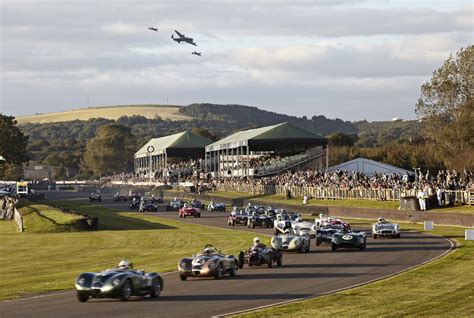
{"x":368,"y":167}
{"x":262,"y":137}
{"x":181,"y":143}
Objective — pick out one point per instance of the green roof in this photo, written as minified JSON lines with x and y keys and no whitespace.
{"x":183,"y":140}
{"x":280,"y":131}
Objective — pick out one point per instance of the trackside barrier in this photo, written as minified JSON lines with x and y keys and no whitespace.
{"x":324,"y":193}
{"x":428,"y":225}
{"x":18,"y":220}
{"x":469,"y":235}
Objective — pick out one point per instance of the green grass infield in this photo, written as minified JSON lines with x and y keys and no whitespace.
{"x":47,"y":261}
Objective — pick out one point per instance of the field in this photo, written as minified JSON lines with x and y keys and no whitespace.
{"x":112,"y":112}
{"x":439,"y":289}
{"x":42,"y":262}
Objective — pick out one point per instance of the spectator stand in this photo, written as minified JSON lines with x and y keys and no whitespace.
{"x":233,"y":155}
{"x":155,"y":158}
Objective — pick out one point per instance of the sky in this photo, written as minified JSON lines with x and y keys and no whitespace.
{"x":352,"y":60}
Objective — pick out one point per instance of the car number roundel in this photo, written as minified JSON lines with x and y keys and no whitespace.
{"x":347,"y":237}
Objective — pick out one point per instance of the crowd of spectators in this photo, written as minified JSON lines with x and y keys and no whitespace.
{"x":7,"y":208}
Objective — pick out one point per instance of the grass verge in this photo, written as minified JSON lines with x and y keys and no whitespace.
{"x":40,"y":218}
{"x":42,"y":262}
{"x":440,"y":288}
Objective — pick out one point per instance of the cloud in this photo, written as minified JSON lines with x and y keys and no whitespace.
{"x":121,"y":28}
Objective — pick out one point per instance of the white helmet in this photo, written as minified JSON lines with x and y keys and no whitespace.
{"x":321,"y":215}
{"x":125,"y":264}
{"x":256,"y":240}
{"x":381,"y":220}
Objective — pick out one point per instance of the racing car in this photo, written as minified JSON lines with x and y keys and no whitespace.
{"x":324,"y":234}
{"x":281,"y":223}
{"x":189,"y":211}
{"x":122,"y":283}
{"x":197,"y":204}
{"x":348,"y":239}
{"x":238,"y":217}
{"x":216,"y":206}
{"x":304,"y":226}
{"x":135,"y":203}
{"x":210,"y":263}
{"x":259,"y":219}
{"x":293,"y":242}
{"x":384,"y":228}
{"x":95,"y":197}
{"x":119,"y":197}
{"x":147,"y":204}
{"x":261,"y":255}
{"x":175,"y":205}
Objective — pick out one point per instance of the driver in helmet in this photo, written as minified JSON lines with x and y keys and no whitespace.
{"x":257,"y":243}
{"x":208,"y":251}
{"x":125,"y":265}
{"x":381,"y":220}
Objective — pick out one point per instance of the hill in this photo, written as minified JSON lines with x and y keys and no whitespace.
{"x":107,"y":112}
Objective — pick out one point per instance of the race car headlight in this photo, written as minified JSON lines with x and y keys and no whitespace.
{"x":81,"y":281}
{"x":116,"y":282}
{"x":212,"y":265}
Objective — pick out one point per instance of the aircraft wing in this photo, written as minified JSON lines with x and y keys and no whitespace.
{"x":180,"y":35}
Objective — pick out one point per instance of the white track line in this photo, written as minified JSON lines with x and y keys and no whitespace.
{"x":344,"y":288}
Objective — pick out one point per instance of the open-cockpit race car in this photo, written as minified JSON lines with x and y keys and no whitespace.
{"x":384,"y":228}
{"x":209,"y":263}
{"x":348,"y":239}
{"x":259,"y":254}
{"x":121,"y":282}
{"x":216,"y":206}
{"x":238,"y":217}
{"x":189,"y":211}
{"x":94,"y":196}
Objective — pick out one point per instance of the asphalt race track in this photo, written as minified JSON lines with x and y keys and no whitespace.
{"x":302,"y":275}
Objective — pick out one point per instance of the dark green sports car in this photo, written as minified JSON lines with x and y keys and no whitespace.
{"x":117,"y":283}
{"x":345,"y":239}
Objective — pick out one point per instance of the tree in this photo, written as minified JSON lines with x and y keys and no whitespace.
{"x":340,"y":139}
{"x":205,"y":133}
{"x":110,"y":151}
{"x":13,"y":144}
{"x":446,"y":110}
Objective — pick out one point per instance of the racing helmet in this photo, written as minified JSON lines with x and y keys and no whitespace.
{"x":208,"y":250}
{"x":321,"y":215}
{"x":287,"y":231}
{"x":256,"y":240}
{"x":125,"y":264}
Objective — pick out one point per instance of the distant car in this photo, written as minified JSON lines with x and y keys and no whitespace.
{"x":262,"y":255}
{"x":134,"y":204}
{"x":324,"y":235}
{"x":383,"y":228}
{"x":197,"y":204}
{"x":189,"y":211}
{"x":304,"y":226}
{"x":216,"y":206}
{"x":119,"y":197}
{"x":210,"y":263}
{"x":175,"y":205}
{"x":238,"y":217}
{"x":116,"y":283}
{"x":147,"y":204}
{"x":281,"y":223}
{"x":95,"y":197}
{"x":349,"y":239}
{"x":297,"y":243}
{"x":259,"y":219}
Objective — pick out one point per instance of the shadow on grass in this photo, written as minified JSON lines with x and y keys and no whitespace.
{"x":113,"y":219}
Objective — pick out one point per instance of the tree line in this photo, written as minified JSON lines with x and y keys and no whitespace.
{"x":442,"y":137}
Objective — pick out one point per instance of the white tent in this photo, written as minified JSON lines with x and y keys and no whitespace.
{"x":368,"y":167}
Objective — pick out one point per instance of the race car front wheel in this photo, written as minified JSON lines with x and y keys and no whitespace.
{"x":155,"y":289}
{"x":82,"y":297}
{"x":125,"y":291}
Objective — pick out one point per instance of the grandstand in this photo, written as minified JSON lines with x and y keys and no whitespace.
{"x":265,"y":151}
{"x":154,"y":156}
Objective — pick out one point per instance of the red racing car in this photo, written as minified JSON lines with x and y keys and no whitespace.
{"x":189,"y":211}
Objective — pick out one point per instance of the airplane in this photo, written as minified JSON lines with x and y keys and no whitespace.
{"x":183,"y":38}
{"x":153,"y":29}
{"x":196,"y":53}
